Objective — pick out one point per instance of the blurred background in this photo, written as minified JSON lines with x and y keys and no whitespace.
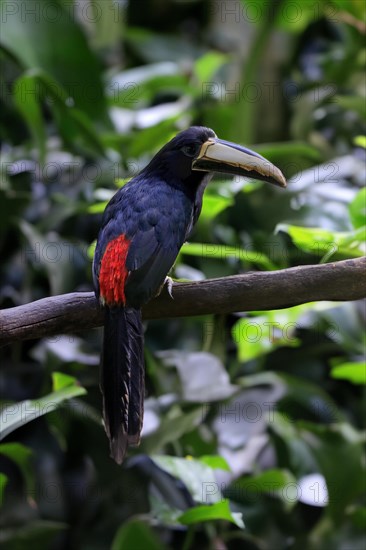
{"x":253,"y":426}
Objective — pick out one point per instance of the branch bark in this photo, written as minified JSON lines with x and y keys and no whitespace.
{"x":70,"y":313}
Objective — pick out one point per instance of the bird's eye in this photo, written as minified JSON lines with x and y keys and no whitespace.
{"x":190,"y":150}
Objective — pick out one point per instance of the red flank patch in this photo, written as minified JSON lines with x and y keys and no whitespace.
{"x":113,"y":272}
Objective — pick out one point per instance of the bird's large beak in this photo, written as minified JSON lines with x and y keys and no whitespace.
{"x":217,"y":155}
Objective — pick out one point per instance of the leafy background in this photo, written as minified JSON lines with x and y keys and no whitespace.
{"x":253,"y":427}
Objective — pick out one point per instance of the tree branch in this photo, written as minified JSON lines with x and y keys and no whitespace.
{"x":70,"y":313}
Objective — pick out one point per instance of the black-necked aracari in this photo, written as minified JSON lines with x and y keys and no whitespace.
{"x":143,"y":228}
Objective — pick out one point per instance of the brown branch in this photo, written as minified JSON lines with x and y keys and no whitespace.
{"x":70,"y":313}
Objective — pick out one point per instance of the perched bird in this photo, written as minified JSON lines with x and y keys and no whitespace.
{"x":143,"y":228}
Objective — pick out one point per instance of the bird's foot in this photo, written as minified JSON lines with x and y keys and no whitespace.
{"x":169,"y":285}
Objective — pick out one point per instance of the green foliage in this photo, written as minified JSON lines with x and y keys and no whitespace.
{"x":345,"y":244}
{"x":252,"y":431}
{"x":135,"y":534}
{"x":223,"y":252}
{"x":16,"y":415}
{"x":353,"y":372}
{"x":334,"y":244}
{"x":21,"y":455}
{"x":56,"y":44}
{"x":3,"y":482}
{"x":331,"y":446}
{"x":192,"y":472}
{"x":259,"y":334}
{"x":357,"y":209}
{"x":218,"y":511}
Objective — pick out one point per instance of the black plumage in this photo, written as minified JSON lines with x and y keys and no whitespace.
{"x":143,"y":228}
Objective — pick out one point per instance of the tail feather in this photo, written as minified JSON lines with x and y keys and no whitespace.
{"x":122,"y":378}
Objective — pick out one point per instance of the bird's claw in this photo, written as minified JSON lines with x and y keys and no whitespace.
{"x":169,"y":285}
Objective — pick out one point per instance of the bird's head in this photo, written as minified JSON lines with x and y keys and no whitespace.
{"x":197,"y":150}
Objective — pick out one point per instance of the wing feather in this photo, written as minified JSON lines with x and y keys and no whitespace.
{"x":156,"y":225}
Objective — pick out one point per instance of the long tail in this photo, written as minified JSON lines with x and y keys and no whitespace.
{"x":122,"y":378}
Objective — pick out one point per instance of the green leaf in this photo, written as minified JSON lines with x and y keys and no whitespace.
{"x":218,"y":511}
{"x":295,"y":18}
{"x":138,"y":86}
{"x":306,"y":395}
{"x":353,"y":372}
{"x":358,"y":517}
{"x":357,"y":209}
{"x":50,"y":253}
{"x":253,"y":338}
{"x":289,"y":443}
{"x":61,"y":381}
{"x":151,"y":139}
{"x":84,"y":131}
{"x":206,"y":66}
{"x":215,"y":462}
{"x":325,"y":243}
{"x":172,"y":429}
{"x":21,"y":455}
{"x":163,"y":512}
{"x":275,"y":482}
{"x":294,"y":394}
{"x":91,"y":250}
{"x":97,"y":208}
{"x":268,"y":481}
{"x":27,"y":99}
{"x":53,"y":41}
{"x":198,"y":477}
{"x":135,"y":534}
{"x":155,"y":47}
{"x":31,"y":90}
{"x":360,"y":141}
{"x":260,"y":334}
{"x":213,"y":205}
{"x":354,"y":7}
{"x":19,"y":414}
{"x":280,"y":152}
{"x":222,"y":252}
{"x":3,"y":482}
{"x":354,"y":103}
{"x":74,"y":125}
{"x":308,"y":239}
{"x":334,"y":446}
